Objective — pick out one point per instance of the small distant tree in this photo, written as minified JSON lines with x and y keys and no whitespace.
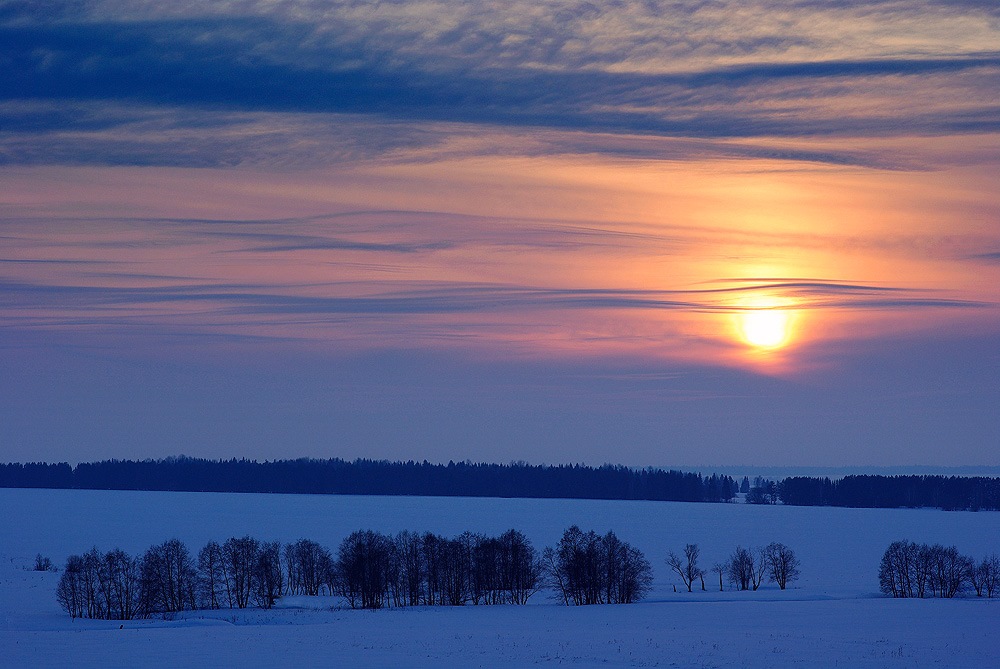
{"x":635,"y":576}
{"x":169,"y":578}
{"x":720,"y":568}
{"x":362,"y":569}
{"x":897,"y":568}
{"x":411,"y":567}
{"x":520,"y":567}
{"x":989,"y":570}
{"x":239,"y":558}
{"x":70,"y":591}
{"x":268,"y":578}
{"x":213,"y":586}
{"x":120,"y":572}
{"x":686,"y":567}
{"x":763,"y":491}
{"x":782,"y":565}
{"x":456,"y":568}
{"x":748,"y":567}
{"x":305,"y":562}
{"x":43,"y":563}
{"x":759,"y":567}
{"x":101,"y":585}
{"x":741,"y":568}
{"x":949,"y":571}
{"x":574,"y":567}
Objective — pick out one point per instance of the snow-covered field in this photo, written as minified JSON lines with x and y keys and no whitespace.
{"x":833,"y":616}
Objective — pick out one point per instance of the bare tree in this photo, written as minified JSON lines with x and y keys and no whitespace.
{"x":990,"y":573}
{"x":897,"y":568}
{"x":363,"y":569}
{"x":169,"y":578}
{"x":759,"y":568}
{"x":949,"y":570}
{"x":520,"y":567}
{"x":781,"y":563}
{"x":411,"y":566}
{"x":911,"y":570}
{"x":213,"y":586}
{"x":70,"y":589}
{"x":575,"y":567}
{"x":741,"y":568}
{"x":433,"y":549}
{"x":485,"y":585}
{"x":239,"y":557}
{"x":720,"y":568}
{"x":268,"y":576}
{"x":305,"y":561}
{"x":456,"y":568}
{"x":101,"y":585}
{"x":90,"y":580}
{"x":120,"y":572}
{"x":686,"y":567}
{"x":634,"y":575}
{"x":586,"y":568}
{"x":922,"y":569}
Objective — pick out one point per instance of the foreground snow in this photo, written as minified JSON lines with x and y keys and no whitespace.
{"x":833,"y":616}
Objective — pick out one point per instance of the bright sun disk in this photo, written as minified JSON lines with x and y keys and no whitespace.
{"x":765,"y":328}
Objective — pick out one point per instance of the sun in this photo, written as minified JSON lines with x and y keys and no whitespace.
{"x":765,"y":322}
{"x":765,"y":328}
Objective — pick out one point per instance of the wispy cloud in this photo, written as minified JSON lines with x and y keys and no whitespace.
{"x":450,"y":298}
{"x":247,"y":83}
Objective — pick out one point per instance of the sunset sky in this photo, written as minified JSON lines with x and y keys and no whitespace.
{"x":760,"y":232}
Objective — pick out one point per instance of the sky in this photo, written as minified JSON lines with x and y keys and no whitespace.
{"x":727,"y":232}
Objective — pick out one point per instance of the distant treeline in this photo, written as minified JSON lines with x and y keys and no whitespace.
{"x":951,"y":493}
{"x":467,"y":479}
{"x":375,"y":477}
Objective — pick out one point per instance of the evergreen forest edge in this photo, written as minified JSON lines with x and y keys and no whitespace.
{"x":514,"y":480}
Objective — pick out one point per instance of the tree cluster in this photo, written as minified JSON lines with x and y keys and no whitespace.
{"x":374,"y":570}
{"x":763,"y":491}
{"x":586,"y":568}
{"x":376,"y":477}
{"x":746,"y":568}
{"x":908,"y":569}
{"x":168,"y":579}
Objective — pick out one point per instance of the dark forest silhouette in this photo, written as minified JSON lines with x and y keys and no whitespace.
{"x":518,"y":479}
{"x":951,"y":493}
{"x":375,"y":477}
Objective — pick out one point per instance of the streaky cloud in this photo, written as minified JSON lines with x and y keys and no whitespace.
{"x":450,"y":298}
{"x":127,"y":62}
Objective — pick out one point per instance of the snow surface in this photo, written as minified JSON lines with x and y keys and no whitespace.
{"x":832,"y":617}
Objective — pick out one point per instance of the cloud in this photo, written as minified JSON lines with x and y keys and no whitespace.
{"x":254,"y":82}
{"x":454,"y":298}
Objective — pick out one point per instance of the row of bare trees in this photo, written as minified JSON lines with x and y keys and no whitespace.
{"x":746,"y":568}
{"x":167,"y":579}
{"x":908,"y":569}
{"x":370,"y":570}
